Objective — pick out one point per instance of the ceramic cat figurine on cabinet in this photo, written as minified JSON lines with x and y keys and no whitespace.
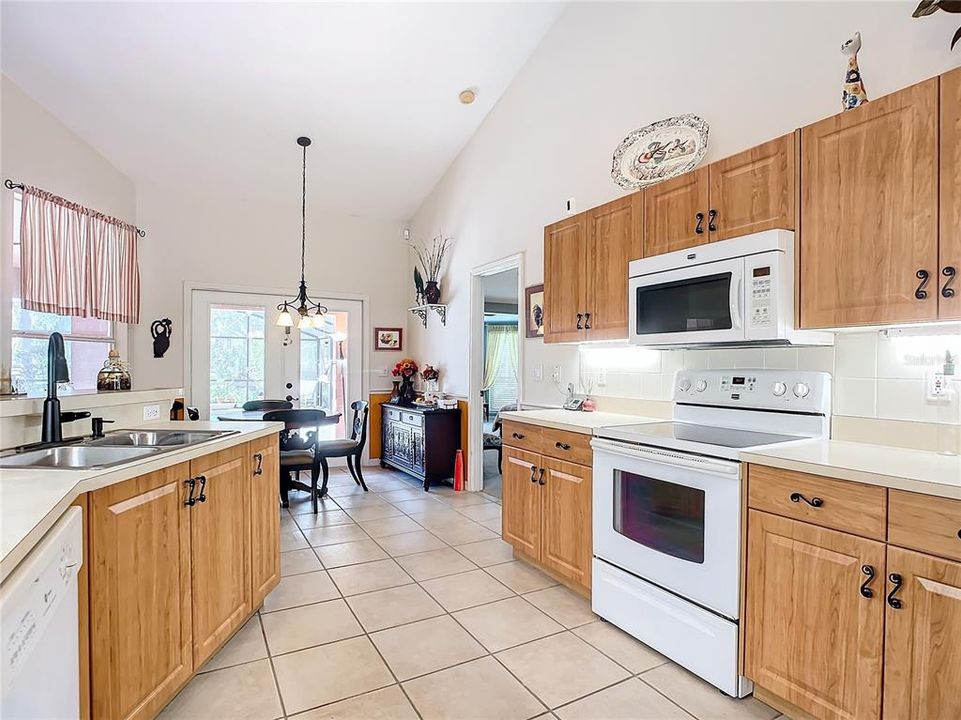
{"x":854,"y":93}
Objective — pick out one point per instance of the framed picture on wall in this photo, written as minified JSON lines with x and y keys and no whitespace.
{"x":388,"y":339}
{"x":534,"y":305}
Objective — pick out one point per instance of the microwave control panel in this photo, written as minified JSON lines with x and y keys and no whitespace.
{"x":760,"y":309}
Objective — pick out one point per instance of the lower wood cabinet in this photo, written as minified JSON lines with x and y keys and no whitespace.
{"x":813,"y":637}
{"x":547,"y":512}
{"x":141,"y":637}
{"x":178,"y":560}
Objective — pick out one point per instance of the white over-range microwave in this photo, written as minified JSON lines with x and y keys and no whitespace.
{"x":734,"y":292}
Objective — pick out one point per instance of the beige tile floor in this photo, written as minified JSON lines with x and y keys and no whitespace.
{"x":396,"y":604}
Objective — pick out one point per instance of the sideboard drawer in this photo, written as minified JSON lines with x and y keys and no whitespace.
{"x":392,"y":414}
{"x":566,"y":445}
{"x":412,"y":419}
{"x":522,"y":435}
{"x":926,"y":523}
{"x":838,"y":504}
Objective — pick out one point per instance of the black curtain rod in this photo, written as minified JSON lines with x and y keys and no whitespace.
{"x":11,"y":185}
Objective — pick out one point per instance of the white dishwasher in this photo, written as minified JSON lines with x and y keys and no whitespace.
{"x":39,"y":627}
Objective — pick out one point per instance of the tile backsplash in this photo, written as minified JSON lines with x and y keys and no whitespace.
{"x":874,"y":377}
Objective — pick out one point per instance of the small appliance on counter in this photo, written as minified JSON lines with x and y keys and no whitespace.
{"x":667,"y":510}
{"x":115,"y":374}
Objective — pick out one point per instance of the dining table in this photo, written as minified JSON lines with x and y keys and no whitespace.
{"x":234,"y":414}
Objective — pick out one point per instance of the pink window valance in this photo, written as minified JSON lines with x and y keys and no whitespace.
{"x":77,"y":261}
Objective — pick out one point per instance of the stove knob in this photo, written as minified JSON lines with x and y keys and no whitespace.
{"x":700,"y":385}
{"x":684,"y":384}
{"x":801,"y":390}
{"x":779,"y":389}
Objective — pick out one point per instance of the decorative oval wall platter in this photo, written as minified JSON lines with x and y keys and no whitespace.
{"x":659,"y":151}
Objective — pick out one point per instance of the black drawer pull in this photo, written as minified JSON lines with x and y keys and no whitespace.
{"x":698,"y":229}
{"x":259,"y":470}
{"x":587,"y":321}
{"x":190,"y":501}
{"x":540,"y":478}
{"x":533,"y":473}
{"x":947,"y":291}
{"x":813,"y":502}
{"x":562,"y":445}
{"x":866,"y":590}
{"x":711,"y":217}
{"x":518,"y":436}
{"x":580,"y":317}
{"x":201,"y":496}
{"x":896,"y":580}
{"x":920,"y":293}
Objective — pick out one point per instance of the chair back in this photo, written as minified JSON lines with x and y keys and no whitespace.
{"x":294,"y":421}
{"x":358,"y":429}
{"x":268,"y":405}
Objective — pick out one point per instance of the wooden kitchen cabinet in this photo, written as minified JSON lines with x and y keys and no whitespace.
{"x":869,"y":213}
{"x":675,"y":213}
{"x":140,"y":594}
{"x":547,"y":502}
{"x":565,"y":279}
{"x":754,"y":190}
{"x":521,"y":501}
{"x":813,"y":637}
{"x":566,"y":545}
{"x":922,"y":658}
{"x":949,"y":293}
{"x":219,"y":549}
{"x":613,"y":240}
{"x":263,"y":457}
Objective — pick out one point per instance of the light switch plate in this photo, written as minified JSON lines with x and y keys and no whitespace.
{"x":538,"y":373}
{"x":151,"y":412}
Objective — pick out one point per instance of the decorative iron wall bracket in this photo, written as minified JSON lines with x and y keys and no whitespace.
{"x":421,"y":311}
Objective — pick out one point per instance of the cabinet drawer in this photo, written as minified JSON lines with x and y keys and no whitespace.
{"x":564,"y":445}
{"x":846,"y":506}
{"x":392,"y":414}
{"x":412,"y":419}
{"x":522,"y":435}
{"x":926,"y":523}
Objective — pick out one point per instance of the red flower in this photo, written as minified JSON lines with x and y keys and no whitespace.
{"x":406,"y":368}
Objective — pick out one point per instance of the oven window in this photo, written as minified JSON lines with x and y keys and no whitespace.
{"x":663,"y":516}
{"x":701,"y":303}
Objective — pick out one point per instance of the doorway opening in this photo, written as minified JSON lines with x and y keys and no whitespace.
{"x":501,"y":368}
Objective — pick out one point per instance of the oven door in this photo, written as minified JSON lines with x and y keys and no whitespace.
{"x":690,"y":305}
{"x":670,"y":518}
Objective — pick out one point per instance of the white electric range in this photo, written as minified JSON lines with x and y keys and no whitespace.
{"x":667,"y":510}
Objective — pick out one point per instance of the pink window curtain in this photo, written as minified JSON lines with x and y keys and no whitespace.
{"x":76,"y":261}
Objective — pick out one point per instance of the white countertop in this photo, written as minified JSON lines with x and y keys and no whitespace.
{"x":32,"y":499}
{"x":899,"y":468}
{"x":575,"y":421}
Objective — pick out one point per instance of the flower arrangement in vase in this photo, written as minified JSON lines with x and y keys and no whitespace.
{"x":432,"y":261}
{"x":405,"y":370}
{"x":431,"y":375}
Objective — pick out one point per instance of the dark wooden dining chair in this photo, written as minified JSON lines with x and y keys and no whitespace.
{"x":267,"y":405}
{"x":351,"y":448}
{"x":298,"y":452}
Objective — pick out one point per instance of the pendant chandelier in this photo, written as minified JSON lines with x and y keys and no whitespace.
{"x":311,"y":313}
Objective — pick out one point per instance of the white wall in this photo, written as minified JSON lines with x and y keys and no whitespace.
{"x":754,"y":71}
{"x":242,"y":242}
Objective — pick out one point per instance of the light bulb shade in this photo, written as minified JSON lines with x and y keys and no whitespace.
{"x":284,"y":319}
{"x":304,"y":323}
{"x":319,"y":321}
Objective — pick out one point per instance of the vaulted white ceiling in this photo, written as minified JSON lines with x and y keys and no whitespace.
{"x":213,"y":95}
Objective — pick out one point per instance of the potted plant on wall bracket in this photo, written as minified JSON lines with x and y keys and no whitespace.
{"x":431,"y":260}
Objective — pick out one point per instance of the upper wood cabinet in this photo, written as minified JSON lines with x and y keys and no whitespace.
{"x":949,"y":292}
{"x":140,"y":594}
{"x":812,"y":637}
{"x":565,"y":279}
{"x":922,"y":651}
{"x":566,"y":526}
{"x":675,"y":213}
{"x":869,"y":202}
{"x":522,"y":502}
{"x":613,"y":240}
{"x":219,"y":549}
{"x":754,"y":190}
{"x":264,"y":471}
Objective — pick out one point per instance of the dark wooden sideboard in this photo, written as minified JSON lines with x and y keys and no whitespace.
{"x":420,"y":441}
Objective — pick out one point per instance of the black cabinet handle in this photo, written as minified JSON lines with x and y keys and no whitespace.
{"x":947,"y":291}
{"x":920,"y":293}
{"x":533,"y":473}
{"x":518,"y":436}
{"x":291,"y":398}
{"x":587,"y":321}
{"x":259,"y":470}
{"x":698,"y":227}
{"x":866,"y":590}
{"x":711,"y":217}
{"x":580,"y":316}
{"x":813,"y":502}
{"x":201,"y":497}
{"x":562,"y":445}
{"x":959,"y":534}
{"x":191,"y":483}
{"x":540,"y":478}
{"x":893,"y":601}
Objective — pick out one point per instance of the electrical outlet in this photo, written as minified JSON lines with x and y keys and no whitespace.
{"x":937,"y":387}
{"x":151,"y":412}
{"x":538,"y":373}
{"x":556,"y":374}
{"x":601,"y":377}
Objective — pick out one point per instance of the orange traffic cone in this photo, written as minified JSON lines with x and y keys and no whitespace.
{"x":459,"y":471}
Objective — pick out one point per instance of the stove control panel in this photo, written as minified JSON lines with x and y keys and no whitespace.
{"x":792,"y":390}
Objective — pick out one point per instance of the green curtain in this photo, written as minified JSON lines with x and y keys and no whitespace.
{"x":501,"y":350}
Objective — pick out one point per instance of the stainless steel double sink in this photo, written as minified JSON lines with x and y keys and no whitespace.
{"x":113,"y":449}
